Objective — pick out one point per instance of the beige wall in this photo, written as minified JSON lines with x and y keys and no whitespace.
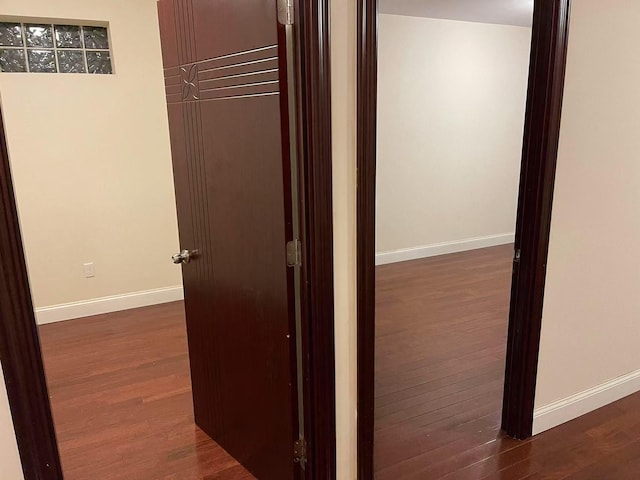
{"x":10,"y":467}
{"x":591,"y":321}
{"x":92,"y":170}
{"x":91,"y":161}
{"x":343,"y":84}
{"x":450,"y":124}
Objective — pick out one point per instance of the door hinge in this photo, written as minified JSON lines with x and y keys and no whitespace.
{"x":285,"y":12}
{"x":300,"y":452}
{"x":516,"y":256}
{"x":294,"y":255}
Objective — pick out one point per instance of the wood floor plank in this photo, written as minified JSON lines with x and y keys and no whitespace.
{"x":440,"y":350}
{"x":121,"y":398}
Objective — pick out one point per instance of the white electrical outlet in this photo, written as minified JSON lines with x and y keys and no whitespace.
{"x":89,"y":270}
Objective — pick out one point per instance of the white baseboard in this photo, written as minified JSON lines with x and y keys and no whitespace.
{"x":557,"y":413}
{"x":425,"y":251}
{"x":97,"y":306}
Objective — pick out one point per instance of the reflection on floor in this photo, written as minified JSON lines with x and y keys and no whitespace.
{"x":121,"y":398}
{"x":440,"y":353}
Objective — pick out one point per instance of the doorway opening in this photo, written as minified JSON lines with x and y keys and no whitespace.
{"x":442,"y":307}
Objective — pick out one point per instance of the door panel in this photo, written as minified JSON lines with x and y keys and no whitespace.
{"x":232,"y":185}
{"x":243,"y":24}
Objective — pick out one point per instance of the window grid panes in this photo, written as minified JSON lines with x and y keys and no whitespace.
{"x":52,"y":48}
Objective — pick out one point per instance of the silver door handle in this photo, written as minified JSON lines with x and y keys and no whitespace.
{"x":183,"y":257}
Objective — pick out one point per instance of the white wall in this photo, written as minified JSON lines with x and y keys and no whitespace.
{"x":450,"y":125}
{"x":92,"y":187}
{"x":343,"y":85}
{"x":10,"y":466}
{"x":590,"y":346}
{"x":91,"y":161}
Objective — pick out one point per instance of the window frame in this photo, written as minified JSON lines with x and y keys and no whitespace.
{"x":25,"y":23}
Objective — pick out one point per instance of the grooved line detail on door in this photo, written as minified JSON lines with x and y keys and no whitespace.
{"x":246,"y":74}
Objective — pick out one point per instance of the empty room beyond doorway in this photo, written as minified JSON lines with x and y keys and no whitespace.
{"x":452,"y":94}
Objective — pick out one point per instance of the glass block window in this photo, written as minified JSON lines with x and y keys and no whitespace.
{"x":51,"y":48}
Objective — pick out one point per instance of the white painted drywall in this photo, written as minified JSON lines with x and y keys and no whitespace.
{"x":506,"y":12}
{"x":452,"y":97}
{"x":91,"y":161}
{"x":343,"y":94}
{"x":10,"y":466}
{"x":591,"y":322}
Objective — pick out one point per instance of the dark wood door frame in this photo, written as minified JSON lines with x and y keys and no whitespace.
{"x":20,"y":352}
{"x":540,"y":148}
{"x":19,"y":344}
{"x":316,"y":216}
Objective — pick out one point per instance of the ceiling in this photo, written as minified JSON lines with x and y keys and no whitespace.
{"x":506,"y":12}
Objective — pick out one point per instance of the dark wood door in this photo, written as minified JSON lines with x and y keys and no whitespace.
{"x":225,"y":77}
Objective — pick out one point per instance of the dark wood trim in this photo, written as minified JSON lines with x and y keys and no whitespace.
{"x":317,"y":231}
{"x":537,"y":178}
{"x":542,"y":128}
{"x":19,"y":343}
{"x":367,"y":104}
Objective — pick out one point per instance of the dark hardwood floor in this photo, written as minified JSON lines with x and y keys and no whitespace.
{"x":121,"y":397}
{"x":440,"y":353}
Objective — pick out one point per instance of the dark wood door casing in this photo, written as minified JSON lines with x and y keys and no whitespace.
{"x":540,"y":146}
{"x":315,"y":153}
{"x":550,"y":37}
{"x":367,"y":104}
{"x":19,"y":343}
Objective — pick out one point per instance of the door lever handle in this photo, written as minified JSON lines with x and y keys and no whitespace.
{"x":183,"y":257}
